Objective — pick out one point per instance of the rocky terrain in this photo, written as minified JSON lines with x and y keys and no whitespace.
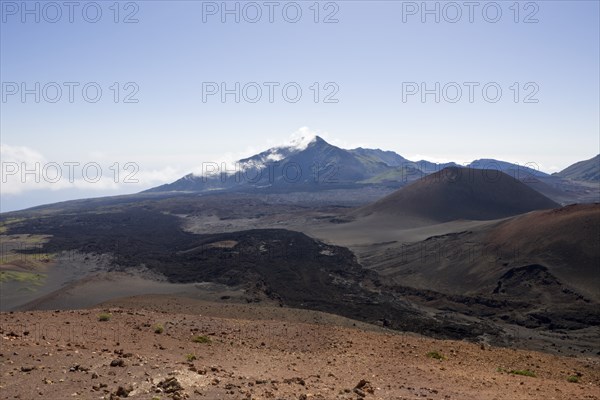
{"x":305,"y":294}
{"x":177,"y":348}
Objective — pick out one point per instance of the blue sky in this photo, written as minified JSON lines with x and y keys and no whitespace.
{"x":367,"y":55}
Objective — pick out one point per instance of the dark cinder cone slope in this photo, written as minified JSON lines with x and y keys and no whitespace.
{"x":461,"y":193}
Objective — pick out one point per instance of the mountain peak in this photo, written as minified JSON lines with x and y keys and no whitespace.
{"x":587,"y":170}
{"x":300,"y":141}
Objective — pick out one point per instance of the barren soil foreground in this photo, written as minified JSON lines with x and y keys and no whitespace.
{"x":165,"y":347}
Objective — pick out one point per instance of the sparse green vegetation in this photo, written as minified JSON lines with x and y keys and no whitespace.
{"x":436,"y":355}
{"x":158,"y":329}
{"x":104,"y":317}
{"x":4,"y":224}
{"x":201,"y":339}
{"x":190,"y":357}
{"x":25,"y":250}
{"x":33,"y":260}
{"x":573,"y":379}
{"x":24,"y":277}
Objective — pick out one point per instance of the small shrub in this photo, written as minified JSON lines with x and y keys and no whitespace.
{"x":190,"y":357}
{"x":104,"y":317}
{"x":436,"y":355}
{"x":201,"y":339}
{"x":573,"y":379}
{"x":158,"y":329}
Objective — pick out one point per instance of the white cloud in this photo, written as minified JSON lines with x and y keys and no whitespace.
{"x":160,"y":176}
{"x":300,"y":139}
{"x":24,"y":169}
{"x":19,"y":153}
{"x":229,"y":162}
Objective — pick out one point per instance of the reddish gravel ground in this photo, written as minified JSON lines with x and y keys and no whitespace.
{"x":214,"y":351}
